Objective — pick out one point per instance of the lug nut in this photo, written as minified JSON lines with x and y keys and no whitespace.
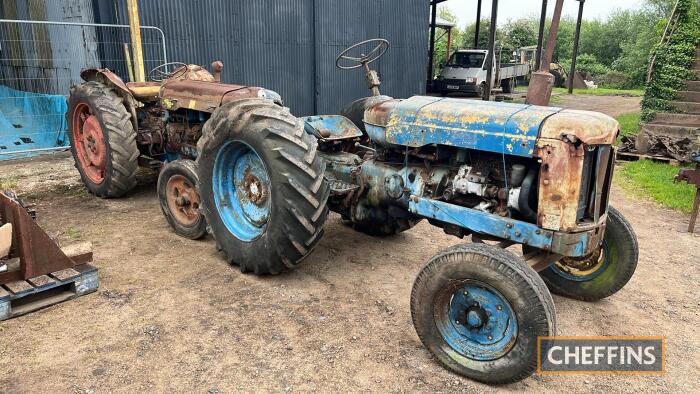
{"x":498,"y":307}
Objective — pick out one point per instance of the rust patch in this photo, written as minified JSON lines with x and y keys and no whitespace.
{"x":203,"y":95}
{"x":592,"y":128}
{"x":560,"y":184}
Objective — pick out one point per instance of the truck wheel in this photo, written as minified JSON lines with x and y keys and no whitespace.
{"x":179,"y":199}
{"x":103,"y":140}
{"x":558,"y":80}
{"x":507,"y":85}
{"x":482,"y":90}
{"x":602,"y":274}
{"x":479,"y":310}
{"x":262,"y":186}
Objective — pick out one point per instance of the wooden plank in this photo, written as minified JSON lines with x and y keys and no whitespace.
{"x":3,"y":293}
{"x":19,"y":287}
{"x":66,"y":274}
{"x":41,"y":281}
{"x":78,"y":249}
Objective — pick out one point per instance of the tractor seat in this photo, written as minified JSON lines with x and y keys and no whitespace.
{"x":144,"y":91}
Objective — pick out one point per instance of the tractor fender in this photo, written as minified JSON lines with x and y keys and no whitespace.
{"x":107,"y":77}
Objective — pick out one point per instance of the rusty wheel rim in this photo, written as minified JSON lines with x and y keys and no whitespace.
{"x":89,"y":142}
{"x":582,"y":270}
{"x":183,"y":200}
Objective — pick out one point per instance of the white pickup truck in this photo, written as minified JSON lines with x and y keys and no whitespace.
{"x":465,"y":72}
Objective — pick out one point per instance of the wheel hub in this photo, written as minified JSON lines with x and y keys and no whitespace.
{"x":183,"y":200}
{"x":90,"y":147}
{"x":241,"y":190}
{"x":476,"y":320}
{"x":583,"y":269}
{"x":476,"y":317}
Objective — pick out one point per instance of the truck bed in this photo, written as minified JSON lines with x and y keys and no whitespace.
{"x":510,"y":70}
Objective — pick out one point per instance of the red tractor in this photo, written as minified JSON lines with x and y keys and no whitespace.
{"x":115,"y":127}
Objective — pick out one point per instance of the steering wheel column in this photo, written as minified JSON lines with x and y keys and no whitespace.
{"x":372,"y":78}
{"x":345,"y":61}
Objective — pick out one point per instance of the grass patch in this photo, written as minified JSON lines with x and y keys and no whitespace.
{"x":604,"y":92}
{"x":629,"y":125}
{"x":655,"y":181}
{"x":73,"y":233}
{"x":9,"y":183}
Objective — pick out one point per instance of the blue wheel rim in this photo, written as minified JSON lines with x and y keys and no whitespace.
{"x":573,"y":274}
{"x":241,"y":187}
{"x":476,"y":321}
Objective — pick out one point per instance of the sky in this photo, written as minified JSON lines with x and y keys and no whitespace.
{"x":513,"y":9}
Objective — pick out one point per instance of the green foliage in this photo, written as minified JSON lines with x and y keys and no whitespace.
{"x":655,"y":181}
{"x":629,"y":124}
{"x":615,"y":50}
{"x":673,"y":61}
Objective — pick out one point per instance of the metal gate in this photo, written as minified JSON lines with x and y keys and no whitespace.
{"x":41,"y":60}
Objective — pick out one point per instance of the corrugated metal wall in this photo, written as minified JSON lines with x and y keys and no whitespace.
{"x":290,"y":45}
{"x":41,"y":58}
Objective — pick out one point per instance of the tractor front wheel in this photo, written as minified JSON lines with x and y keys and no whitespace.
{"x":103,"y":140}
{"x":479,"y":310}
{"x":179,"y":199}
{"x":602,"y":274}
{"x":262,"y":186}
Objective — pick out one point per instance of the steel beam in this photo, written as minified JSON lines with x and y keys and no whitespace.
{"x":492,"y":50}
{"x":540,"y":35}
{"x":135,"y":29}
{"x":478,"y":25}
{"x":574,"y":55}
{"x":431,"y":51}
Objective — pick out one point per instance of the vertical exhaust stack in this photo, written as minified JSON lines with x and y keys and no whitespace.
{"x":542,"y":81}
{"x":216,"y":68}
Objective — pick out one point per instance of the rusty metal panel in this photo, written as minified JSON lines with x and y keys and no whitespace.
{"x":592,"y":128}
{"x":560,"y":184}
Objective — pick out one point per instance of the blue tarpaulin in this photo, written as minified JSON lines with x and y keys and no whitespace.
{"x":31,"y":121}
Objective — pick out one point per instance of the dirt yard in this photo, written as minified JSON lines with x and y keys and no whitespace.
{"x":172,"y":316}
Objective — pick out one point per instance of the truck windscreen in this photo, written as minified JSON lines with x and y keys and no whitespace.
{"x":467,"y":59}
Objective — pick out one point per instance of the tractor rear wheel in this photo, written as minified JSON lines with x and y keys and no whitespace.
{"x":479,"y":310}
{"x":103,"y":140}
{"x":262,"y":186}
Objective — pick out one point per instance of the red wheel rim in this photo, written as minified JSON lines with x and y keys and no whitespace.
{"x":89,"y":143}
{"x":183,"y":200}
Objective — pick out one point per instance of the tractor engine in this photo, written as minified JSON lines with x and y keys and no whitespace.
{"x":169,"y":135}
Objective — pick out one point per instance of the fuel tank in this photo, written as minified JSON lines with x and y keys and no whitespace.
{"x":511,"y":129}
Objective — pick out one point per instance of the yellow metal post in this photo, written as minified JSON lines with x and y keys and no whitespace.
{"x":135,"y":28}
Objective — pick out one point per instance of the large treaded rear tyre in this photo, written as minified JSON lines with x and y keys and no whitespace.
{"x":479,"y":310}
{"x":113,"y":139}
{"x":262,"y":186}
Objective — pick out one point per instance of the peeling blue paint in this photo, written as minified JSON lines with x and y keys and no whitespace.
{"x":483,"y":125}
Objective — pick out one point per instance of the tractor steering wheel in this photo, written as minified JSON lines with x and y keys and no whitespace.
{"x":364,"y":57}
{"x":167,"y":70}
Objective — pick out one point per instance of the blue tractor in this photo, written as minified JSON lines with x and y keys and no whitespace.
{"x":503,"y":174}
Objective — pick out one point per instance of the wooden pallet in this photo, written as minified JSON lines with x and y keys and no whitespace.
{"x":629,"y":156}
{"x":24,"y":296}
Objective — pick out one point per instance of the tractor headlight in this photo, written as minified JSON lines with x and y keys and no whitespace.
{"x":267,"y":94}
